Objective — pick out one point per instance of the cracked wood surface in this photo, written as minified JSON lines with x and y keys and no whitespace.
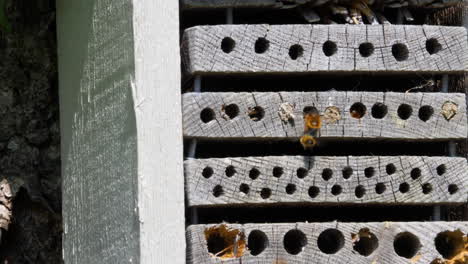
{"x":203,"y":55}
{"x":271,"y":126}
{"x":309,"y":179}
{"x":275,"y":252}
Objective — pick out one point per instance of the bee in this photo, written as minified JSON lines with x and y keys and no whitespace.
{"x":312,"y":123}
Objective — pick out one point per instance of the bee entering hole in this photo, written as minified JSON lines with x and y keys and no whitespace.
{"x":406,"y":245}
{"x":369,"y":172}
{"x":451,"y":243}
{"x":329,"y":48}
{"x":404,"y":111}
{"x":452,"y":189}
{"x":207,"y":172}
{"x":347,"y":172}
{"x":336,"y":190}
{"x":330,"y":241}
{"x":230,"y":171}
{"x":380,"y":188}
{"x":357,"y":110}
{"x":360,"y":191}
{"x":277,"y":172}
{"x":366,"y":49}
{"x":225,"y":243}
{"x":390,"y":169}
{"x":218,"y":191}
{"x":265,"y":193}
{"x":207,"y":115}
{"x":327,"y":174}
{"x":404,"y":187}
{"x":441,"y":169}
{"x":425,"y":112}
{"x":433,"y":46}
{"x":230,"y":111}
{"x":257,"y":242}
{"x":254,"y":173}
{"x":244,"y":188}
{"x":261,"y":45}
{"x":415,"y":173}
{"x":301,"y":173}
{"x":290,"y":188}
{"x":227,"y":44}
{"x":379,"y":111}
{"x":256,"y":113}
{"x":314,"y":191}
{"x":294,"y":241}
{"x":400,"y":51}
{"x":296,"y":51}
{"x":427,"y":188}
{"x":365,"y":242}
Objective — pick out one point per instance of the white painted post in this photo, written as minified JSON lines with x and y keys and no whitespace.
{"x":122,"y":152}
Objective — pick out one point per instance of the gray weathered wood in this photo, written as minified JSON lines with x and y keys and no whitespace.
{"x":203,"y":53}
{"x":391,"y":126}
{"x":369,"y":172}
{"x":121,"y":131}
{"x":424,"y":252}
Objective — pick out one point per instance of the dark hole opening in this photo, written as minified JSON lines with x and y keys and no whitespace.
{"x":256,"y":113}
{"x":329,"y":48}
{"x":230,"y":171}
{"x":366,"y":242}
{"x":449,"y":243}
{"x":294,"y":241}
{"x":231,"y":111}
{"x":254,"y":173}
{"x":433,"y":46}
{"x":366,"y":49}
{"x":301,"y":173}
{"x":207,"y":172}
{"x":406,"y":245}
{"x":404,"y":187}
{"x":261,"y":45}
{"x":452,"y":188}
{"x":427,"y":188}
{"x":390,"y":168}
{"x":347,"y":172}
{"x":314,"y":191}
{"x":207,"y":115}
{"x":257,"y":242}
{"x":404,"y":111}
{"x":441,"y":169}
{"x":400,"y":51}
{"x":380,"y":188}
{"x":330,"y":241}
{"x":358,"y":110}
{"x":336,"y":190}
{"x":425,"y":112}
{"x":295,"y":51}
{"x":290,"y":188}
{"x":216,"y":243}
{"x":265,"y":193}
{"x":277,"y":172}
{"x":327,"y":174}
{"x":360,"y":191}
{"x":244,"y":188}
{"x":415,"y":173}
{"x":379,"y":110}
{"x":227,"y":44}
{"x":218,"y":191}
{"x":369,"y":172}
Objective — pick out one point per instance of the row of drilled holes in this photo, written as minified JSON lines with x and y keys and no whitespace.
{"x":399,"y":50}
{"x":357,"y":110}
{"x":331,"y":241}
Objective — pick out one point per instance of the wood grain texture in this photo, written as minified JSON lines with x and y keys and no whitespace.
{"x":271,"y":125}
{"x":275,"y":252}
{"x":119,"y":205}
{"x":203,"y":53}
{"x":304,"y":179}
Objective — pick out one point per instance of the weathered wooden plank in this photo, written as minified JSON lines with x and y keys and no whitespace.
{"x":228,"y":49}
{"x":123,"y":188}
{"x":386,"y":115}
{"x":304,"y":179}
{"x":332,"y":242}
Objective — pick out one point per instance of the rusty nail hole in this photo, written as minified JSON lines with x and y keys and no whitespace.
{"x":330,"y":241}
{"x":360,"y":191}
{"x":380,"y":188}
{"x":452,"y":244}
{"x":227,"y":44}
{"x":257,"y":242}
{"x":452,"y":189}
{"x":336,"y":189}
{"x":207,"y":115}
{"x":449,"y":110}
{"x":207,"y":172}
{"x":406,"y":245}
{"x":433,"y":46}
{"x":357,"y":110}
{"x":294,"y":241}
{"x":404,"y":187}
{"x":400,"y":51}
{"x":415,"y":173}
{"x":365,"y":242}
{"x":329,"y":48}
{"x":314,"y":191}
{"x":347,"y":172}
{"x":290,"y":188}
{"x":369,"y":172}
{"x":218,"y":191}
{"x":301,"y":173}
{"x":277,"y":172}
{"x":296,"y":51}
{"x":390,"y":168}
{"x":379,"y":111}
{"x":441,"y":169}
{"x":425,"y":112}
{"x":230,"y":111}
{"x":327,"y":174}
{"x":404,"y":111}
{"x":254,"y":173}
{"x":427,"y":188}
{"x":225,"y":243}
{"x":230,"y":171}
{"x":256,"y":113}
{"x":244,"y":188}
{"x":265,"y":193}
{"x":261,"y":45}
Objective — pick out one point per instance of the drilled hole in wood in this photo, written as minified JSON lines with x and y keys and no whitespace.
{"x":290,"y":188}
{"x":406,"y":245}
{"x":277,"y":172}
{"x":358,"y":110}
{"x":360,"y":191}
{"x":369,"y":172}
{"x":327,"y":174}
{"x":415,"y":173}
{"x":244,"y":188}
{"x":265,"y":193}
{"x":207,"y":115}
{"x":336,"y":190}
{"x":314,"y":191}
{"x":404,"y":111}
{"x":330,"y":241}
{"x":254,"y":173}
{"x":400,"y":51}
{"x":257,"y":242}
{"x":230,"y":111}
{"x":380,"y":188}
{"x":310,"y":109}
{"x":425,"y":112}
{"x":207,"y":172}
{"x":218,"y":191}
{"x":261,"y":45}
{"x":451,"y":244}
{"x":441,"y":169}
{"x":404,"y":187}
{"x":256,"y":113}
{"x":366,"y":49}
{"x":452,"y":189}
{"x":347,"y":172}
{"x":227,"y":44}
{"x":365,"y":242}
{"x":433,"y":46}
{"x":379,"y":111}
{"x":294,"y":241}
{"x":302,"y":173}
{"x":296,"y":51}
{"x":390,"y":169}
{"x":427,"y":188}
{"x":230,"y":171}
{"x":225,"y":243}
{"x":329,"y":48}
